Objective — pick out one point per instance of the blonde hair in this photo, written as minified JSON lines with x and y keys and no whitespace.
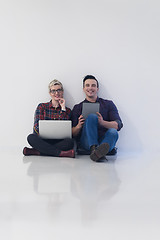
{"x":53,"y":83}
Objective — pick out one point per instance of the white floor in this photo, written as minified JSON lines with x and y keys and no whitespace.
{"x":63,"y":198}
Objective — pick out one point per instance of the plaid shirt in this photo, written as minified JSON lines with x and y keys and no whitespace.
{"x":45,"y":111}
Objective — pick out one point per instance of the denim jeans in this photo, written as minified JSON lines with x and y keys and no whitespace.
{"x":90,"y":137}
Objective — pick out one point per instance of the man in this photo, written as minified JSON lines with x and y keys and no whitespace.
{"x":98,"y":132}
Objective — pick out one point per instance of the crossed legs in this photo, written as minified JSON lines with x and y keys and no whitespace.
{"x":55,"y":148}
{"x":89,"y":138}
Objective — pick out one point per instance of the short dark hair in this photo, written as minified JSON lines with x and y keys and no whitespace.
{"x":90,"y":77}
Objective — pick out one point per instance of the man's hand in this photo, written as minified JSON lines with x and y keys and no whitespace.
{"x":100,"y":119}
{"x":106,"y":124}
{"x":77,"y":128}
{"x":81,"y":121}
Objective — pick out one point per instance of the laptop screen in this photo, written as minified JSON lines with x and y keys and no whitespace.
{"x":55,"y":129}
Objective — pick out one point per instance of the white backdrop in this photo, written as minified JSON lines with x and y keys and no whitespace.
{"x":117,"y":41}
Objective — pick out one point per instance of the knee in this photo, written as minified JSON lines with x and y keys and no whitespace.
{"x":113,"y":132}
{"x":70,"y":142}
{"x":31,"y":137}
{"x":92,"y":117}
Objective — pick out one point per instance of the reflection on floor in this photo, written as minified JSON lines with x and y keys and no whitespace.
{"x":64,"y":198}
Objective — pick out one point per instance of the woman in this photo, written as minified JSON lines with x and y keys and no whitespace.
{"x":53,"y":110}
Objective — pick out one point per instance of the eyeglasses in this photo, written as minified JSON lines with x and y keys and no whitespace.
{"x":54,"y":91}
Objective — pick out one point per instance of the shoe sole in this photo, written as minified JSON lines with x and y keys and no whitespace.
{"x":100,"y":152}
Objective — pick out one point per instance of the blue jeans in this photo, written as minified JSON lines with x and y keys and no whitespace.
{"x":90,"y":137}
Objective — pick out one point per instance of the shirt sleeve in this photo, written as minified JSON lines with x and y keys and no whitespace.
{"x":75,"y":113}
{"x":114,"y":115}
{"x":66,"y":115}
{"x":39,"y":115}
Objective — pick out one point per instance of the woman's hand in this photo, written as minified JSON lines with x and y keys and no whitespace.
{"x":62,"y":103}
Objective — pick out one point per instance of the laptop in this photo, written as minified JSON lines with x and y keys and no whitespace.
{"x":55,"y":129}
{"x":88,"y":108}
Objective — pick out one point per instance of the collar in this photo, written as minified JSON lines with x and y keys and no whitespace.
{"x":97,"y":100}
{"x":51,"y":106}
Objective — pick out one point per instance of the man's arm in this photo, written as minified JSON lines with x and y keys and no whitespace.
{"x":114,"y":115}
{"x":107,"y":124}
{"x":112,"y":124}
{"x":76,"y":130}
{"x":77,"y":119}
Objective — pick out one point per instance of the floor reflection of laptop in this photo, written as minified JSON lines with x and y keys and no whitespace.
{"x":54,"y":183}
{"x":55,"y":129}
